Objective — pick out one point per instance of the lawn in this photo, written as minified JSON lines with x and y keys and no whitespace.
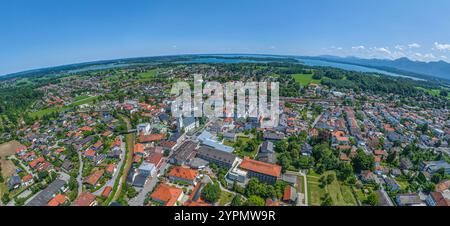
{"x":225,"y":198}
{"x":403,"y":184}
{"x":145,"y":76}
{"x":340,"y":193}
{"x":305,"y":79}
{"x":81,"y":97}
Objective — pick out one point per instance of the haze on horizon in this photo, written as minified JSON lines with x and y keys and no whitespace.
{"x":45,"y":33}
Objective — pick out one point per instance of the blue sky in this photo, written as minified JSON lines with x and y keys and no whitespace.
{"x":43,"y":33}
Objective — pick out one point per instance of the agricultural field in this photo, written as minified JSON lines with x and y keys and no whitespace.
{"x":305,"y":79}
{"x":8,"y":167}
{"x":340,"y":193}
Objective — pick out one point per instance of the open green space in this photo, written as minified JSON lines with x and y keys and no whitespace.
{"x":225,"y":198}
{"x":403,"y":184}
{"x":42,"y":112}
{"x":240,"y":147}
{"x":340,"y":193}
{"x":80,"y":97}
{"x":145,"y":76}
{"x":305,"y":79}
{"x":433,"y":92}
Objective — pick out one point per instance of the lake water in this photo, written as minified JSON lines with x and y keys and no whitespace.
{"x":217,"y":59}
{"x":349,"y":67}
{"x":309,"y":62}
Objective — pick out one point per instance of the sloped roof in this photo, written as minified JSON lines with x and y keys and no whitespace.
{"x":261,"y":167}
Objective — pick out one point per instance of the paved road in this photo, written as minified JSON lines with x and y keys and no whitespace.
{"x":316,"y":121}
{"x":305,"y":192}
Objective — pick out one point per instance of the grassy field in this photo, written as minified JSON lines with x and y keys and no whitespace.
{"x":305,"y":79}
{"x":147,"y":75}
{"x":403,"y":184}
{"x":81,"y":97}
{"x":340,"y":193}
{"x":225,"y":198}
{"x":433,"y":92}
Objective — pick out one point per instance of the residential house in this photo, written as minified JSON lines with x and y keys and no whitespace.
{"x":290,"y":194}
{"x":58,"y":200}
{"x":94,"y":178}
{"x":147,"y":169}
{"x":85,"y":199}
{"x":408,"y":200}
{"x":182,"y":174}
{"x":166,"y":195}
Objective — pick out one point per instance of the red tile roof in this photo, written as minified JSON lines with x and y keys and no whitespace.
{"x":138,"y":148}
{"x":193,"y":203}
{"x":261,"y":167}
{"x":21,"y":148}
{"x":35,"y":162}
{"x":150,"y":138}
{"x":155,"y":158}
{"x":439,"y":199}
{"x":184,"y":173}
{"x":340,"y":136}
{"x":95,"y":177}
{"x":89,"y":152}
{"x":86,"y":128}
{"x":110,"y":168}
{"x":98,"y":144}
{"x":167,"y":194}
{"x":270,"y":202}
{"x":27,"y":178}
{"x":117,"y":142}
{"x":85,"y":199}
{"x":107,"y":191}
{"x":287,"y":193}
{"x":168,"y":144}
{"x":57,"y":200}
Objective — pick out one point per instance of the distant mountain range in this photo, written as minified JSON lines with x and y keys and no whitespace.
{"x":437,"y":69}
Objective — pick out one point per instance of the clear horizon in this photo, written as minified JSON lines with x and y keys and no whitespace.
{"x":53,"y":33}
